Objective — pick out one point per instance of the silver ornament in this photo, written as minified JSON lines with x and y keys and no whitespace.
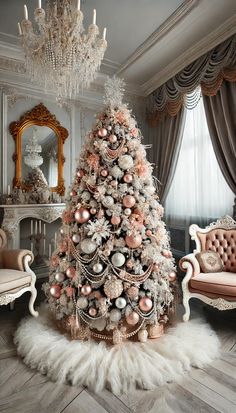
{"x":120,"y":302}
{"x":88,"y":246}
{"x":108,"y":201}
{"x":97,"y":268}
{"x":118,"y":259}
{"x":82,"y":303}
{"x":115,"y":315}
{"x":76,"y":238}
{"x":60,"y":276}
{"x":127,"y":211}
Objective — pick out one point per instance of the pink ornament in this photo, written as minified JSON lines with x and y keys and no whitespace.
{"x":133,"y":240}
{"x":55,"y":291}
{"x":73,"y":193}
{"x":128,"y":178}
{"x":112,"y":138}
{"x":70,"y":272}
{"x":145,"y":304}
{"x":172,"y":276}
{"x":80,"y":173}
{"x":115,"y":220}
{"x":114,"y":183}
{"x":82,"y":215}
{"x":92,"y":311}
{"x":124,"y":150}
{"x":86,"y":289}
{"x":129,"y":201}
{"x":132,"y":292}
{"x":102,"y":132}
{"x":132,"y":318}
{"x":70,"y":291}
{"x":93,"y":211}
{"x":167,"y":253}
{"x":104,"y":173}
{"x":76,"y":238}
{"x":148,"y":232}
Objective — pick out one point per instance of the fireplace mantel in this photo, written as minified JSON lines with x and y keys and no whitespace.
{"x":13,"y":214}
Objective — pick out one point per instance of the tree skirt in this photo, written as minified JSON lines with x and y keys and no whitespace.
{"x":118,"y":368}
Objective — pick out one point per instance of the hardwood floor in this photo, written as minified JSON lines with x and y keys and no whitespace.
{"x":208,"y":390}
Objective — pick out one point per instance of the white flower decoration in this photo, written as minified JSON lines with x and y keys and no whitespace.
{"x":126,"y":162}
{"x":116,"y":172}
{"x":99,"y":229}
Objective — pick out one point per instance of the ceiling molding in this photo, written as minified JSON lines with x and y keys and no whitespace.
{"x":182,"y":11}
{"x":223,"y":32}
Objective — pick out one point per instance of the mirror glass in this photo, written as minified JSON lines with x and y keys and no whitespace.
{"x":40,"y":155}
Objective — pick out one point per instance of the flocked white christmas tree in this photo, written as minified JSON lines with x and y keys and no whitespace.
{"x":112,"y":274}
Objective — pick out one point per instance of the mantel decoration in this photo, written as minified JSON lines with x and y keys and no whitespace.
{"x":111,"y":288}
{"x":59,"y":54}
{"x":34,"y":185}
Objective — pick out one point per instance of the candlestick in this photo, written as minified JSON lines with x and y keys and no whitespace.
{"x":36,"y":227}
{"x":31,"y":227}
{"x":40,"y":226}
{"x":94,"y":16}
{"x":44,"y":246}
{"x":44,"y":229}
{"x":55,"y":238}
{"x":104,"y":33}
{"x":78,"y":5}
{"x":25,"y":12}
{"x":39,"y":4}
{"x":32,"y":246}
{"x":19,"y":29}
{"x":49,"y":250}
{"x":8,"y":190}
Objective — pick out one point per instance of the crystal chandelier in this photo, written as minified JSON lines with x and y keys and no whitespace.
{"x":33,"y":159}
{"x":59,"y":55}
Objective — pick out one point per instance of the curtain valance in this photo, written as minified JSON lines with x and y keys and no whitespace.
{"x":208,"y":71}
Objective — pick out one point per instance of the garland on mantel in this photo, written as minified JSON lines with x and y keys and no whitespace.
{"x":205,"y":74}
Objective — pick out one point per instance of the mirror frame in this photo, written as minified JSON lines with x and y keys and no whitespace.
{"x":39,"y":116}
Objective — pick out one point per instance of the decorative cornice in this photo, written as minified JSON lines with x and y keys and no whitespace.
{"x":182,"y":11}
{"x":223,"y":32}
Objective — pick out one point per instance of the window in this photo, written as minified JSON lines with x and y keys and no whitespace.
{"x":199,"y":189}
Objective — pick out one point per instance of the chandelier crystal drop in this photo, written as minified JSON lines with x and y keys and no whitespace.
{"x":59,"y":55}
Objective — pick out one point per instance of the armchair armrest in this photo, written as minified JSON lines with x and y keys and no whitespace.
{"x":189,"y":263}
{"x":15,"y":259}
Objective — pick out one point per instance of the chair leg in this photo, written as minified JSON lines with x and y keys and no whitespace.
{"x":187,"y":309}
{"x":12,"y":305}
{"x":32,"y":301}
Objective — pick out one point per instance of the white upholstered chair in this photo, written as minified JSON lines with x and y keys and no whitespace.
{"x":217,"y":289}
{"x":16,"y":277}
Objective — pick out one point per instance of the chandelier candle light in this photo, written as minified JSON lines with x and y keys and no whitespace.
{"x":59,"y":55}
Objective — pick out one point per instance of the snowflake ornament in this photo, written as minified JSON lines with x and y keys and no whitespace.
{"x":114,"y":91}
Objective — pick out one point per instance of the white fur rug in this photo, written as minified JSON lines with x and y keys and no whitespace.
{"x":118,"y":368}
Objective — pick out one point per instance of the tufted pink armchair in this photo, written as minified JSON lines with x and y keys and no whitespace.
{"x":214,"y":288}
{"x":16,"y":277}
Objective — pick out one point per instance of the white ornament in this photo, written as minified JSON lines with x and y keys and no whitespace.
{"x":120,"y":302}
{"x":97,"y":268}
{"x":143,"y":336}
{"x":118,"y":259}
{"x":125,"y":162}
{"x":108,"y":201}
{"x":127,"y":211}
{"x":60,"y":276}
{"x":82,"y":303}
{"x":115,"y":315}
{"x":88,"y":246}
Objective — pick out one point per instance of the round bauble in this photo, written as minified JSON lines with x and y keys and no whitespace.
{"x":76,"y":238}
{"x":60,"y":276}
{"x":128,"y":178}
{"x":129,"y":201}
{"x":148,"y":232}
{"x":172,"y":276}
{"x":113,"y":138}
{"x":92,"y":311}
{"x":86,"y":289}
{"x":70,"y":272}
{"x":113,"y":288}
{"x":114,"y":183}
{"x":73,"y":193}
{"x":82,"y":303}
{"x":125,"y":162}
{"x":118,"y":259}
{"x":145,"y":304}
{"x":93,"y":211}
{"x":102,"y":133}
{"x":127,"y":212}
{"x":120,"y":302}
{"x":108,"y":201}
{"x":115,"y":315}
{"x":104,"y":172}
{"x":132,"y":318}
{"x":167,"y":253}
{"x":133,"y":240}
{"x":80,"y":173}
{"x":132,"y":292}
{"x":115,"y":220}
{"x":142,"y":336}
{"x":55,"y":291}
{"x":88,"y":246}
{"x":82,"y":215}
{"x":97,"y":268}
{"x":109,"y":128}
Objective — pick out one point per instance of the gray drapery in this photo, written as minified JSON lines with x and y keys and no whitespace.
{"x":166,"y":140}
{"x":221,"y":119}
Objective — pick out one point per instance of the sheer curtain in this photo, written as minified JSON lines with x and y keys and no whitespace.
{"x":198,"y":191}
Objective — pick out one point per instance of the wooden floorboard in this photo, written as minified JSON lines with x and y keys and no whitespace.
{"x":208,"y":390}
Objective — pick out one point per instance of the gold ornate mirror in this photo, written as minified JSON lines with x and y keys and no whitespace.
{"x":39,"y":139}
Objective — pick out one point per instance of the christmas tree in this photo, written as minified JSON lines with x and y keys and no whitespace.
{"x":112,"y":274}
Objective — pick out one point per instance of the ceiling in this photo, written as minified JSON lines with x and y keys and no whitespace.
{"x":148,"y":40}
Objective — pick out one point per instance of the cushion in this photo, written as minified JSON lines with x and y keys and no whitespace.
{"x":222,"y":283}
{"x":209,"y":261}
{"x":11,"y":279}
